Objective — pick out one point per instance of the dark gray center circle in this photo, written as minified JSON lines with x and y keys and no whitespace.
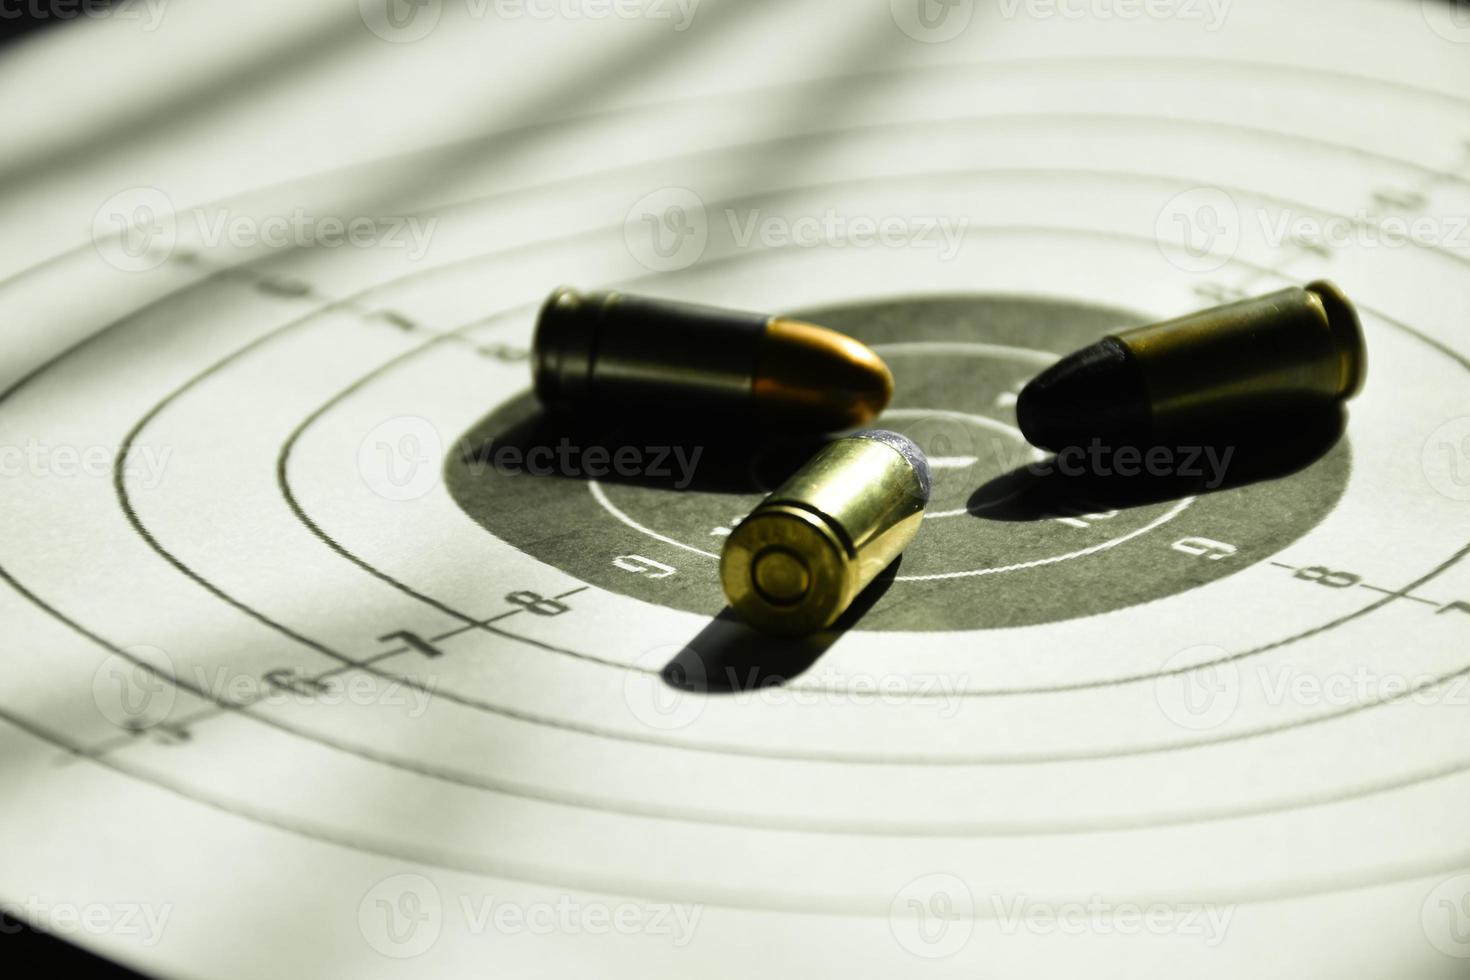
{"x":1012,"y":538}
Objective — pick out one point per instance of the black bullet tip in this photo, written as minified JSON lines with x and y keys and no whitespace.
{"x":1095,"y":393}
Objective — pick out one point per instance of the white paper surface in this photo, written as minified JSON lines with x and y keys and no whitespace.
{"x":217,"y":765}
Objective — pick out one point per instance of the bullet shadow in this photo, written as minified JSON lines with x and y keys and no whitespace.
{"x":1259,"y":450}
{"x":739,"y":460}
{"x":729,"y":657}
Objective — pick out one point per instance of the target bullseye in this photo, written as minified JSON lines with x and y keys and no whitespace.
{"x":1035,"y":538}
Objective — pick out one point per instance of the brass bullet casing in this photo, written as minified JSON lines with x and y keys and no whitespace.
{"x":1299,"y":348}
{"x":608,"y":353}
{"x":806,"y":552}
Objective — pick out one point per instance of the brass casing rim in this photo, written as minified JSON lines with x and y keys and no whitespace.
{"x":802,"y":533}
{"x":1347,"y":333}
{"x":564,"y":325}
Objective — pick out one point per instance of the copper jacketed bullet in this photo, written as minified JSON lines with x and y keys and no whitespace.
{"x":608,"y":353}
{"x":1262,"y":359}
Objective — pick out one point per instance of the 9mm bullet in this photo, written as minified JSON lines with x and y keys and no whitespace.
{"x":1299,"y":349}
{"x":806,"y":552}
{"x":611,"y":354}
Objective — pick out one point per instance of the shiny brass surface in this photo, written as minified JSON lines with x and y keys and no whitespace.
{"x":1293,"y":348}
{"x":806,"y":552}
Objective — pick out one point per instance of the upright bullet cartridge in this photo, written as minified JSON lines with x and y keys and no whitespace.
{"x":610,"y":353}
{"x":1300,"y":348}
{"x":806,"y":552}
